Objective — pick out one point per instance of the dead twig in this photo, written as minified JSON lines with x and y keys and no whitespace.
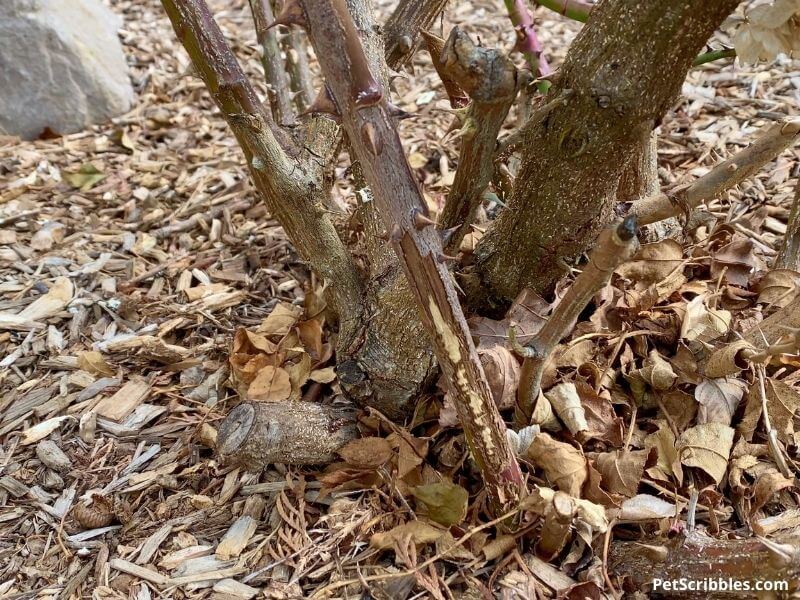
{"x":614,"y":246}
{"x":198,"y":218}
{"x":280,"y":99}
{"x":773,"y":141}
{"x":492,"y":94}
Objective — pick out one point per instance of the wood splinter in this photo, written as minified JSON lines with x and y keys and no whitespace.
{"x":258,"y":434}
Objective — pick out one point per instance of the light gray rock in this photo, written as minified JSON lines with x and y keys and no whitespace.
{"x":61,"y":66}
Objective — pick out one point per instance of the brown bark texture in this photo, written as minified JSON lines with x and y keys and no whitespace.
{"x":376,"y":144}
{"x":280,"y":98}
{"x":490,"y":79}
{"x":390,"y":361}
{"x":402,"y":29}
{"x":625,"y":69}
{"x":289,"y":179}
{"x":256,"y":434}
{"x":789,"y":255}
{"x":383,"y":355}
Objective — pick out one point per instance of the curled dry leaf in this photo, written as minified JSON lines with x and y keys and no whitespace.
{"x":502,"y":373}
{"x":652,"y":263}
{"x":94,"y":363}
{"x":413,"y":532}
{"x":767,"y":485}
{"x":543,"y":414}
{"x":527,"y":315}
{"x":778,"y":287}
{"x":498,"y":547}
{"x":326,"y":375}
{"x":622,"y":471}
{"x":718,"y":399}
{"x":567,"y":405}
{"x":707,"y":447}
{"x":657,"y":372}
{"x":703,"y":323}
{"x":366,"y":453}
{"x":603,"y":422}
{"x":668,"y":464}
{"x":564,"y":465}
{"x":271,"y":384}
{"x":411,"y":451}
{"x":594,"y":515}
{"x":727,"y":360}
{"x":282,"y":318}
{"x":644,"y":507}
{"x":521,"y":440}
{"x":783,"y":402}
{"x":735,"y":261}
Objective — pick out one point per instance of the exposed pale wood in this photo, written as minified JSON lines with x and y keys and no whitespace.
{"x":376,"y":144}
{"x":138,"y":571}
{"x":301,"y":433}
{"x":236,"y":538}
{"x":124,"y":401}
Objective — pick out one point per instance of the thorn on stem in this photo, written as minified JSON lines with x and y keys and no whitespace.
{"x":367,"y":95}
{"x":291,"y":14}
{"x":446,"y":258}
{"x":323,"y":103}
{"x":372,"y":141}
{"x":447,"y":234}
{"x":396,"y":234}
{"x":396,"y":112}
{"x":422,"y":221}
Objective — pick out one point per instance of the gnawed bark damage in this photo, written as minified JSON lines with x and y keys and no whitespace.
{"x":625,"y":69}
{"x":376,"y":145}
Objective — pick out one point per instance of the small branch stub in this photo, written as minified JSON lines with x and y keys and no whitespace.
{"x":257,"y":434}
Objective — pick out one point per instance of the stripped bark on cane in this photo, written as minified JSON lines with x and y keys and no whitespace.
{"x":376,"y":144}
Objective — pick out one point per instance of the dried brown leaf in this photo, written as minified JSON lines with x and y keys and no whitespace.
{"x":366,"y":453}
